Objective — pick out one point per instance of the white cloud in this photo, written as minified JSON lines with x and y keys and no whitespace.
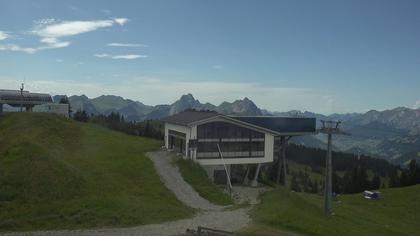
{"x":218,"y":67}
{"x":132,"y":45}
{"x":156,"y":91}
{"x":417,"y":105}
{"x":53,"y":43}
{"x":16,"y":48}
{"x":59,"y":60}
{"x":51,"y":32}
{"x":103,"y":55}
{"x":4,"y":35}
{"x":70,"y":28}
{"x":121,"y":21}
{"x":126,"y":56}
{"x":44,"y":21}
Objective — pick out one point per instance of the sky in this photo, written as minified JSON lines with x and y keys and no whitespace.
{"x":321,"y":56}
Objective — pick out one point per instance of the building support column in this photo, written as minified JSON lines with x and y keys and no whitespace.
{"x":279,"y":160}
{"x":246,"y":179}
{"x":283,"y":158}
{"x":254,"y":182}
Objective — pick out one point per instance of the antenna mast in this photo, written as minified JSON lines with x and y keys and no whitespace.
{"x":21,"y":97}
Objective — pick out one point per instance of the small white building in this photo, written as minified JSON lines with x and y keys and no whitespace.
{"x":198,"y":136}
{"x":56,"y":108}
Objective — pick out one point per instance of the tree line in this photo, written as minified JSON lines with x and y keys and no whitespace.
{"x":117,"y":122}
{"x":407,"y":177}
{"x":352,"y":174}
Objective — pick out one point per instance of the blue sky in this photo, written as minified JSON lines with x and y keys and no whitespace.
{"x":321,"y":56}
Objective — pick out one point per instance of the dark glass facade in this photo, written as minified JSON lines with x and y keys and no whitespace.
{"x":177,"y":141}
{"x":234,"y":141}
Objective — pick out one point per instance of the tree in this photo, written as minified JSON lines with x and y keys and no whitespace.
{"x":376,"y":182}
{"x":414,"y":172}
{"x":336,"y":188}
{"x":394,"y":181}
{"x":294,"y":184}
{"x":307,"y":185}
{"x":404,"y":179}
{"x":81,"y":116}
{"x":315,"y":187}
{"x":65,"y":100}
{"x":147,"y":129}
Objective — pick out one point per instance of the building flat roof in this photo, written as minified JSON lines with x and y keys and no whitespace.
{"x":281,"y":124}
{"x":187,"y":117}
{"x":14,"y":97}
{"x":275,"y":124}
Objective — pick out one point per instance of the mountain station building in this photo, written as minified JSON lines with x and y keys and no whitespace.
{"x":217,"y":141}
{"x":31,"y":102}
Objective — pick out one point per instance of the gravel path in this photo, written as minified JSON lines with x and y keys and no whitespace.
{"x":170,"y":176}
{"x":226,"y":220}
{"x":210,"y":215}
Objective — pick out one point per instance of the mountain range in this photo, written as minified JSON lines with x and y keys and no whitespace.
{"x":137,"y":111}
{"x":391,"y":134}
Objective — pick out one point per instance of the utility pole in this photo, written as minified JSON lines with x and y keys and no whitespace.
{"x":21,"y":98}
{"x":329,"y":127}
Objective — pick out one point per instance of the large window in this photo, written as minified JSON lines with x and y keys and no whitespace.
{"x":225,"y":130}
{"x":234,"y":141}
{"x":177,"y":134}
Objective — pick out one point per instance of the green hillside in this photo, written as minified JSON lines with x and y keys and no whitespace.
{"x":288,"y":212}
{"x":57,"y":173}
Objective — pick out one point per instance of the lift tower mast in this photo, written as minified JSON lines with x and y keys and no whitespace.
{"x":329,"y":127}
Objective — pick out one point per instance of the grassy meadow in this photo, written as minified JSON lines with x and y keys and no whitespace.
{"x":56,"y":173}
{"x":290,"y":213}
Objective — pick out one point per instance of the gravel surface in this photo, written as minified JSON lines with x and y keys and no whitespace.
{"x":225,"y":220}
{"x":209,"y":215}
{"x":170,"y":176}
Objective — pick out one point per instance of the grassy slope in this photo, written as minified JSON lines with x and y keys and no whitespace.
{"x":57,"y":173}
{"x":396,"y":214}
{"x":196,"y":176}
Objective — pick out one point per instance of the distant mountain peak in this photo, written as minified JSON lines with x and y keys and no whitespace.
{"x":188,"y":96}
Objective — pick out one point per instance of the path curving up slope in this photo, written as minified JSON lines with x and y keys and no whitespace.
{"x":171,"y":177}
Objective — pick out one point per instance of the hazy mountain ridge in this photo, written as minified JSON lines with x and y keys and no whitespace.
{"x":388,"y":134}
{"x":137,"y":111}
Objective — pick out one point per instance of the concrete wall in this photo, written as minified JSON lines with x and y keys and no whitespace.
{"x":210,"y":170}
{"x":183,"y":129}
{"x":62,"y":109}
